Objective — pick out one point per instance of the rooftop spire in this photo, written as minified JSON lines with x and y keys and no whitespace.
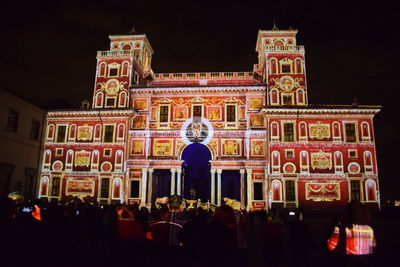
{"x":275,"y":28}
{"x":133,"y":30}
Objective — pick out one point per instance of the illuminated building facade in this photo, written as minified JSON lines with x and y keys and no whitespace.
{"x":248,"y":136}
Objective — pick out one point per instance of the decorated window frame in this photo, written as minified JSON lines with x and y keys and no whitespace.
{"x":302,"y":100}
{"x":99,"y":99}
{"x":272,"y":97}
{"x":69,"y":159}
{"x":72,"y":133}
{"x":336,"y":137}
{"x":273,"y":62}
{"x":108,"y":99}
{"x":102,"y":72}
{"x":285,"y":193}
{"x":59,"y":151}
{"x":370,"y":188}
{"x":286,"y":63}
{"x":164,"y":123}
{"x":355,"y":123}
{"x":284,"y":95}
{"x":94,"y":164}
{"x":293,"y":122}
{"x":100,"y":186}
{"x":105,"y":125}
{"x":53,"y":177}
{"x":113,"y":66}
{"x":65,"y":133}
{"x":139,"y":193}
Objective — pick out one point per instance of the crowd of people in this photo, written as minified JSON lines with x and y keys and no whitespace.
{"x":87,"y":234}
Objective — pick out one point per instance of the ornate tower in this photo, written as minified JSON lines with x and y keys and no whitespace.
{"x":282,"y":67}
{"x":126,"y":64}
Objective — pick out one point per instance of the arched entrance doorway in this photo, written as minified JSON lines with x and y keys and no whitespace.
{"x":196,"y":170}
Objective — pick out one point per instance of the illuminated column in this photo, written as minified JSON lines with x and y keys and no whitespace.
{"x":144,"y":187}
{"x":219,"y":172}
{"x":150,"y":187}
{"x":212,"y":186}
{"x":266,"y":192}
{"x":249,"y":189}
{"x":179,"y":184}
{"x":242,"y":193}
{"x":147,"y":148}
{"x":173,"y":182}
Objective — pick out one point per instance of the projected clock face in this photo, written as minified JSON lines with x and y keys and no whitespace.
{"x":112,"y":87}
{"x":287,"y":83}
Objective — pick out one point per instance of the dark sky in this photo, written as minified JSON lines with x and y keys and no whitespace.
{"x":48,"y":50}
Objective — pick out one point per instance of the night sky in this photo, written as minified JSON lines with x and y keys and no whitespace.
{"x":48,"y":50}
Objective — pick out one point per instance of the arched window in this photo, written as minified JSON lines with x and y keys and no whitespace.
{"x":338,"y":162}
{"x":279,"y":43}
{"x":336,"y":131}
{"x":125,"y":68}
{"x":370,"y":188}
{"x":116,"y":189}
{"x":119,"y":157}
{"x":122,"y":99}
{"x":102,"y":69}
{"x":72,"y":133}
{"x":276,"y":188}
{"x":368,"y":163}
{"x":44,"y":186}
{"x":126,"y":47}
{"x":302,"y":131}
{"x":121,"y":132}
{"x":50,"y":132}
{"x":299,"y":68}
{"x":274,"y":131}
{"x":273,"y":66}
{"x":95,"y":160}
{"x":274,"y":97}
{"x":300,"y":97}
{"x":99,"y":100}
{"x":365,"y":131}
{"x":97,"y":132}
{"x":304,"y":164}
{"x":47,"y":159}
{"x":276,"y":162}
{"x":69,"y":159}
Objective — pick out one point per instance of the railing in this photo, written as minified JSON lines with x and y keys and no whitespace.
{"x":115,"y":53}
{"x":285,"y":48}
{"x":203,"y":75}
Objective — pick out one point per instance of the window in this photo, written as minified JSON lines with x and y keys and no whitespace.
{"x":288,"y":132}
{"x":230,"y":113}
{"x":108,"y":134}
{"x":110,"y":102}
{"x":59,"y":151}
{"x":105,"y":188}
{"x":113,"y":72}
{"x":289,"y":153}
{"x":35,"y":129}
{"x":164,"y":113}
{"x":290,"y":190}
{"x":197,"y":111}
{"x":134,"y":189}
{"x":55,"y":187}
{"x":258,"y":191}
{"x":355,"y":190}
{"x":285,"y":68}
{"x":352,"y":153}
{"x":287,"y":99}
{"x":351,"y":132}
{"x":107,"y":152}
{"x":61,"y":133}
{"x":12,"y":123}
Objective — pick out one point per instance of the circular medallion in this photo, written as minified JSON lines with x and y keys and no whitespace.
{"x":106,"y":166}
{"x":289,"y":168}
{"x":197,"y":131}
{"x":353,"y":168}
{"x":287,"y":83}
{"x":57,"y":165}
{"x":112,"y":87}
